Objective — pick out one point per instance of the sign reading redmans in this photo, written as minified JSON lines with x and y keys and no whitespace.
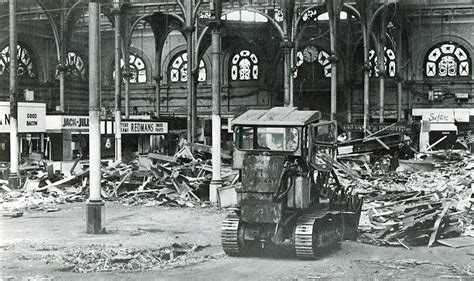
{"x":141,"y":127}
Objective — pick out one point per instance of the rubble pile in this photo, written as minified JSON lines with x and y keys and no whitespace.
{"x":101,"y":258}
{"x":413,"y":207}
{"x":153,"y":180}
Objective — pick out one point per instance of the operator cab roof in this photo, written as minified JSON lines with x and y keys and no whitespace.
{"x":277,"y":116}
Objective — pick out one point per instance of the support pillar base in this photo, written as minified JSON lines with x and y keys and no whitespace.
{"x":14,"y":181}
{"x":213,"y":187}
{"x":95,"y":215}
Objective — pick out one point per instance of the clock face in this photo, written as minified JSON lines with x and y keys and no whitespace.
{"x":310,"y":54}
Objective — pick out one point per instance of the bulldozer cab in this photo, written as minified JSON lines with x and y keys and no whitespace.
{"x":279,"y":131}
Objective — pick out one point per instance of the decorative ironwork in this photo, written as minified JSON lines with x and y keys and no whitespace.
{"x":448,"y":59}
{"x":26,"y":66}
{"x":310,"y":15}
{"x":244,"y":66}
{"x":75,"y":67}
{"x":138,"y":71}
{"x":313,"y":55}
{"x":178,"y":69}
{"x":389,"y":62}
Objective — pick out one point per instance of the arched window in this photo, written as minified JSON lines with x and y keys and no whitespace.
{"x":314,"y":15}
{"x":75,"y":67}
{"x":311,"y":54}
{"x":243,"y":15}
{"x":178,"y":69}
{"x":137,"y":69}
{"x":244,"y":66}
{"x":389,"y":62}
{"x":447,"y":59}
{"x":26,"y":65}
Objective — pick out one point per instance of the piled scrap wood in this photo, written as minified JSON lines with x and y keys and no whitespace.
{"x":166,"y":183}
{"x":181,"y":180}
{"x":412,"y":218}
{"x":100,"y":258}
{"x":412,"y":208}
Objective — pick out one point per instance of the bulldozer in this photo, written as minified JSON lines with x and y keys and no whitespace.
{"x":290,"y":193}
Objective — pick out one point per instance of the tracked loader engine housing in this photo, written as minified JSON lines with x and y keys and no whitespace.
{"x":260,"y":181}
{"x":290,"y":195}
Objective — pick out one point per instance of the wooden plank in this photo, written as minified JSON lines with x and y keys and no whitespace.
{"x":457,"y":242}
{"x":65,"y":180}
{"x":438,"y":223}
{"x":163,"y":158}
{"x":379,"y":140}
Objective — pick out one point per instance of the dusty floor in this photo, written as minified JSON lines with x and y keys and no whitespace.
{"x":27,"y":242}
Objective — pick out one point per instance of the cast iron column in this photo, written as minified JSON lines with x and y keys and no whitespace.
{"x":14,"y":179}
{"x":189,"y":41}
{"x":365,"y":33}
{"x":216,"y":181}
{"x":118,"y":85}
{"x":95,"y":203}
{"x":62,"y":62}
{"x":399,"y":74}
{"x":332,"y":37}
{"x":126,"y":59}
{"x":381,"y":66}
{"x":287,"y":74}
{"x":158,"y":83}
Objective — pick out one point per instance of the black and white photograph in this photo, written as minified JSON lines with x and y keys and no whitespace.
{"x":236,"y":140}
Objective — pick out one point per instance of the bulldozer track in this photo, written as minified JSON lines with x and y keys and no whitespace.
{"x":230,"y":235}
{"x":309,"y":240}
{"x":304,"y":237}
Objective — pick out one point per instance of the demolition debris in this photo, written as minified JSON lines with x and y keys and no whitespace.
{"x":101,"y":258}
{"x":414,"y":205}
{"x":422,"y":201}
{"x":156,"y":180}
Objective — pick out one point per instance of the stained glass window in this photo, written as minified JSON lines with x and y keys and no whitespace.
{"x":137,"y":69}
{"x":244,"y":66}
{"x":389,"y":62}
{"x":448,"y":59}
{"x":26,"y":65}
{"x":178,"y":71}
{"x":75,"y":67}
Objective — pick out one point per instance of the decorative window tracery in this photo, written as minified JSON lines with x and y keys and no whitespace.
{"x":448,"y":59}
{"x":244,"y":66}
{"x":179,"y":69}
{"x":389,"y":62}
{"x":322,"y":59}
{"x":75,"y":67}
{"x":26,"y":66}
{"x":313,"y":15}
{"x":137,"y":69}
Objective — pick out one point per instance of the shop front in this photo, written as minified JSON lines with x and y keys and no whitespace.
{"x":445,"y":128}
{"x":67,"y":137}
{"x":138,"y":136}
{"x":31,"y":129}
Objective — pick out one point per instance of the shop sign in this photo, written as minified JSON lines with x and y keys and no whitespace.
{"x":438,"y":117}
{"x":31,"y":117}
{"x":444,"y":115}
{"x":75,"y":122}
{"x":141,"y":127}
{"x":359,"y":127}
